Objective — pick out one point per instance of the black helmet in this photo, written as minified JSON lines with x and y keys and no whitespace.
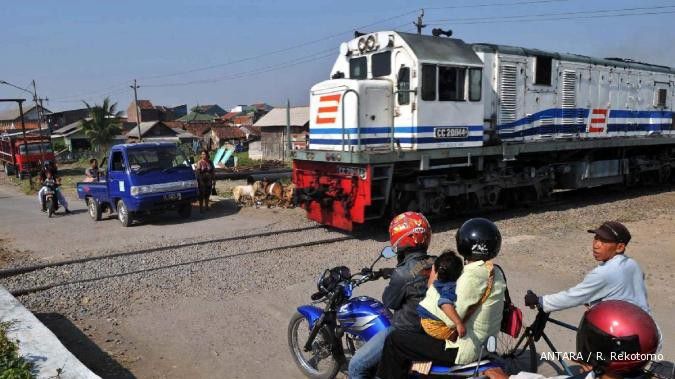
{"x":478,"y":239}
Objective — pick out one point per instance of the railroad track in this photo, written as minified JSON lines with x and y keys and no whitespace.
{"x":21,"y":280}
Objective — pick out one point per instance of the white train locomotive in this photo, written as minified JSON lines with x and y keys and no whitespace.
{"x":433,"y":124}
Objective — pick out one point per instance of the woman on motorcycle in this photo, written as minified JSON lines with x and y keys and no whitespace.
{"x":409,"y":235}
{"x":615,"y":338}
{"x":480,"y":301}
{"x":50,"y":167}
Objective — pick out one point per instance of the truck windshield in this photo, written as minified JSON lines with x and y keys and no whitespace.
{"x":34,"y":148}
{"x":166,"y":158}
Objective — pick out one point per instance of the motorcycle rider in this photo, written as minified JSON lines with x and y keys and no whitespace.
{"x":409,"y":236}
{"x":615,"y":338}
{"x":50,"y":166}
{"x":480,"y":303}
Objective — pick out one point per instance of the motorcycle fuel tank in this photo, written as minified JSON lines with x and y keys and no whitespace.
{"x":364,"y":316}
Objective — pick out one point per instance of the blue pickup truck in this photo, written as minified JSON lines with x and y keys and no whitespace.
{"x":141,"y":178}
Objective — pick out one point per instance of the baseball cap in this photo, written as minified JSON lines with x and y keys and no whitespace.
{"x":612,"y":231}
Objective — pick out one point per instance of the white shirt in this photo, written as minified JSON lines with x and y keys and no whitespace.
{"x":620,"y":278}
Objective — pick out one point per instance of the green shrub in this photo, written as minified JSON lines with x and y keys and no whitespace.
{"x":12,"y":366}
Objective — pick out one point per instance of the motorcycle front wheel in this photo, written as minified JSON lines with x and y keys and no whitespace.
{"x":319,"y":362}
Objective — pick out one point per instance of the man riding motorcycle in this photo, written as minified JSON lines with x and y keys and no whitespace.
{"x":409,"y":235}
{"x":50,"y":166}
{"x":615,"y":338}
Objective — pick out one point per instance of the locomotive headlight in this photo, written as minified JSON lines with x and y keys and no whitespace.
{"x":362,"y":44}
{"x":370,"y":43}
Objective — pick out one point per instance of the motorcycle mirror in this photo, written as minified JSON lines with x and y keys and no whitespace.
{"x":388,"y":253}
{"x":491,"y":344}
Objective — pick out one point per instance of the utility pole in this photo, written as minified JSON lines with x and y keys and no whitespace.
{"x":420,"y":23}
{"x":138,"y":114}
{"x":38,"y":109}
{"x":288,"y":128}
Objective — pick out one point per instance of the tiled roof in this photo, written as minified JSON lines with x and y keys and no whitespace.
{"x":228,"y":132}
{"x":14,"y":114}
{"x":243,"y":120}
{"x":230,"y":115}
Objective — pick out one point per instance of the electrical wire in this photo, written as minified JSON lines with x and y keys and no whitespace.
{"x":468,"y":20}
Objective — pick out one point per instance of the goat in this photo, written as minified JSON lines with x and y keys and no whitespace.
{"x":241,"y":192}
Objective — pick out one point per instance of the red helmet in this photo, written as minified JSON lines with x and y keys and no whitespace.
{"x":617,"y":336}
{"x":409,"y":230}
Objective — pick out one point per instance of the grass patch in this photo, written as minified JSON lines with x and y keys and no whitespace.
{"x":12,"y":366}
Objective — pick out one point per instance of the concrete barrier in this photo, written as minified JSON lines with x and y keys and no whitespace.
{"x":38,"y":345}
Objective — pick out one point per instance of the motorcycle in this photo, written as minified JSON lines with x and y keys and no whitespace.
{"x":51,"y":200}
{"x":322,"y":340}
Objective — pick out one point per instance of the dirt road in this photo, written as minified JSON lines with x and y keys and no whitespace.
{"x":227,"y":318}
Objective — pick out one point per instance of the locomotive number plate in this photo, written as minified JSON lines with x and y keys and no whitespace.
{"x":451,"y":132}
{"x":353,"y":171}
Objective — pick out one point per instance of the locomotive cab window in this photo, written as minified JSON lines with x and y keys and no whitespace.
{"x":542,"y":70}
{"x":475,"y":84}
{"x":451,"y":83}
{"x":661,"y":99}
{"x":428,"y":82}
{"x":381,"y":64}
{"x":358,"y":68}
{"x":403,"y":86}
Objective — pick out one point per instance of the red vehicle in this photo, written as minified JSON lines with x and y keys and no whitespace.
{"x":20,"y":156}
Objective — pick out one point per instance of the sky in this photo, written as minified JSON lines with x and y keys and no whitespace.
{"x":242,"y":52}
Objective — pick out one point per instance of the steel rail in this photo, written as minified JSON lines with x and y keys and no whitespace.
{"x":6,"y":273}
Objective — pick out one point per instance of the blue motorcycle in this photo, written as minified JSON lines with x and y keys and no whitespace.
{"x":323,"y":340}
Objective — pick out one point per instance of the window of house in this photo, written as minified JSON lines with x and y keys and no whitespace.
{"x":358,"y":68}
{"x":475,"y":84}
{"x":381,"y":64}
{"x":403,"y":85}
{"x":428,"y":82}
{"x":117,"y":161}
{"x":542,"y":70}
{"x":661,"y":97}
{"x":451,"y":83}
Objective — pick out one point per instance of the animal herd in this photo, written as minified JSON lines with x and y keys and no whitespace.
{"x":271,"y":193}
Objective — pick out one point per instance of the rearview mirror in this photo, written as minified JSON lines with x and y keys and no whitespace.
{"x":387,"y":253}
{"x":491,"y":344}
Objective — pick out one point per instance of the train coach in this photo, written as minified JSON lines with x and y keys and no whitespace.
{"x":434,"y":124}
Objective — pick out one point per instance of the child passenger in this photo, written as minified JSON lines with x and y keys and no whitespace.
{"x":437,"y":312}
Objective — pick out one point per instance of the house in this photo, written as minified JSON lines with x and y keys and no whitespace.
{"x":10,"y":119}
{"x":221,"y":135}
{"x":198,"y":117}
{"x":213,"y":109}
{"x":57,"y":120}
{"x":274,"y":139}
{"x":157,"y":131}
{"x":150,"y":112}
{"x":73,"y":136}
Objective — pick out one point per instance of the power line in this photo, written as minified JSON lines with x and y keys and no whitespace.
{"x":555,"y":16}
{"x":244,"y":74}
{"x":526,"y":2}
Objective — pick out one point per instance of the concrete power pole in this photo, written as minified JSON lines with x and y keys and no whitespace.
{"x":38,"y":109}
{"x":138,"y":114}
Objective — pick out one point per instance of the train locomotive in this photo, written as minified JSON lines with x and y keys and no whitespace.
{"x":434,"y":124}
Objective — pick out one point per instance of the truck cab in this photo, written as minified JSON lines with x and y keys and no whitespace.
{"x":141,"y":178}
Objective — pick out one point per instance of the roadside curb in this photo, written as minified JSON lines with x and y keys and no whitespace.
{"x":37,"y":344}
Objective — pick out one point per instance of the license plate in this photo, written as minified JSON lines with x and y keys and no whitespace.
{"x":172,"y":196}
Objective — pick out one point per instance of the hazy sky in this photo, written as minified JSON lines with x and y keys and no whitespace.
{"x":241,"y":52}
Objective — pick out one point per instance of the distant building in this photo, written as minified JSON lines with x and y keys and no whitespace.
{"x":274,"y":139}
{"x":60,"y":119}
{"x":150,"y":112}
{"x":10,"y":119}
{"x":213,"y":109}
{"x":159,"y":131}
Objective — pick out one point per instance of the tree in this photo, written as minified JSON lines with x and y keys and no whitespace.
{"x":102,"y":125}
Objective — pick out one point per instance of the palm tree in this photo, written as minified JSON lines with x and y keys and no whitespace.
{"x":102,"y":125}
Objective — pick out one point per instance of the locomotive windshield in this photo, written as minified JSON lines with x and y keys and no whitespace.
{"x":358,"y":68}
{"x":380,"y":66}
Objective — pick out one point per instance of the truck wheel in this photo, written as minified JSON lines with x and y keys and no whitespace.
{"x":123,"y":214}
{"x":94,"y":209}
{"x":185,"y":210}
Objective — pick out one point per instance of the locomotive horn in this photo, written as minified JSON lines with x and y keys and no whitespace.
{"x":358,"y":34}
{"x":436,"y":32}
